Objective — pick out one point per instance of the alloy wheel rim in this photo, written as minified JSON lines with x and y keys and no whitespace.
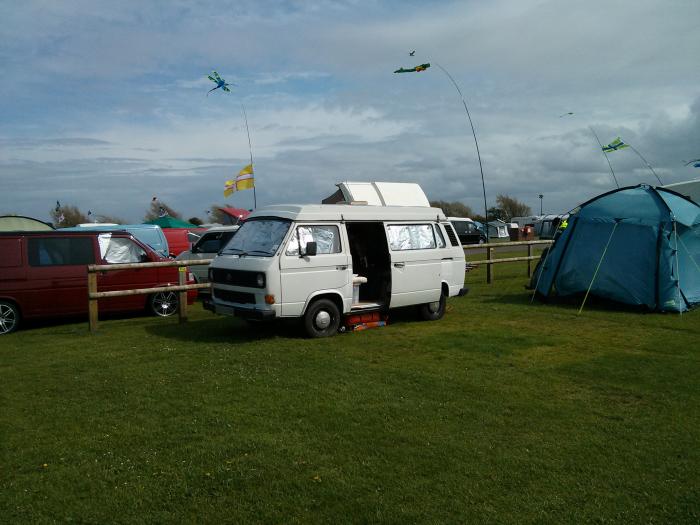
{"x":164,"y":302}
{"x":7,"y":319}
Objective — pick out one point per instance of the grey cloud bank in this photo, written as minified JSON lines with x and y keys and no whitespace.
{"x":104,"y":105}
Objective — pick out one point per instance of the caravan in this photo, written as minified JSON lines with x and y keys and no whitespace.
{"x":321,"y":263}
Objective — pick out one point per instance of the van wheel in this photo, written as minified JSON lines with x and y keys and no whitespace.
{"x":164,"y":304}
{"x":435,"y":310}
{"x":322,"y":319}
{"x":9,"y":317}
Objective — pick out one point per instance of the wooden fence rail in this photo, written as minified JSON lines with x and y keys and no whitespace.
{"x":181,"y":287}
{"x":490,"y":261}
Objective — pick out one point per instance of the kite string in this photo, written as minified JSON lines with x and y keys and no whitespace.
{"x":478,"y":154}
{"x":604,"y":153}
{"x":250,"y":150}
{"x":645,"y":162}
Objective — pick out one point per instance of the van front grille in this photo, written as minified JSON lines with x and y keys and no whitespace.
{"x":234,"y":297}
{"x":235,"y":277}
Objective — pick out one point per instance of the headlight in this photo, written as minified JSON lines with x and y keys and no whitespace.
{"x":260,"y":279}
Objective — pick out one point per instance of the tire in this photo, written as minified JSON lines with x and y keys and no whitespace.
{"x":164,"y":304}
{"x":322,"y":319}
{"x":9,"y":317}
{"x":435,"y":310}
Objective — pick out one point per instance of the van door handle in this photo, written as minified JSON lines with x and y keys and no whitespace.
{"x":448,"y":258}
{"x":341,"y":267}
{"x":399,"y":265}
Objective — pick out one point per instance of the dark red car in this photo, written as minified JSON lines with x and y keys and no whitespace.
{"x":44,"y":274}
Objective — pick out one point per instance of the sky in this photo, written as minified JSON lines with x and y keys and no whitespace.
{"x":103,"y":104}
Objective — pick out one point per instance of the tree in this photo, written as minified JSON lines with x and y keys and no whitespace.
{"x":496,"y":213}
{"x":453,"y":209}
{"x":216,"y":215}
{"x":160,"y":209}
{"x":67,"y":216}
{"x":109,"y":218}
{"x":512,"y":207}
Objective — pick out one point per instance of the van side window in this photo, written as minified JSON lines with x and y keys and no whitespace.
{"x":118,"y":250}
{"x":411,"y":237}
{"x":439,"y":237}
{"x":451,"y":234}
{"x":56,"y":251}
{"x":327,"y":239}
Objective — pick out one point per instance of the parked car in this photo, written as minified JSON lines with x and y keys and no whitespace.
{"x":304,"y":262}
{"x":467,"y":230}
{"x":209,"y":244}
{"x":44,"y":274}
{"x":150,"y":234}
{"x":179,"y":239}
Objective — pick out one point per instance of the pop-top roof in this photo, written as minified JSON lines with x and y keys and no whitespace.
{"x":379,"y":194}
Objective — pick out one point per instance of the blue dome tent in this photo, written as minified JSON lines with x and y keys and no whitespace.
{"x":638,"y":246}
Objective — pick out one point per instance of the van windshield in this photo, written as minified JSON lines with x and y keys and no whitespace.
{"x":260,"y":237}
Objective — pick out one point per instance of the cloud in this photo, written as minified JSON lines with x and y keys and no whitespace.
{"x":106,"y":102}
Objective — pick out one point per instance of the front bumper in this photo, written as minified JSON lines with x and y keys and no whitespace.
{"x":245,"y":313}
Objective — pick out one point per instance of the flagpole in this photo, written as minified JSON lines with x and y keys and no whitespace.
{"x":250,"y":150}
{"x":606,"y":155}
{"x":478,"y":154}
{"x":645,"y":162}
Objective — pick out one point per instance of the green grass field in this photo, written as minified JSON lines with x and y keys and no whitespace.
{"x":502,"y":412}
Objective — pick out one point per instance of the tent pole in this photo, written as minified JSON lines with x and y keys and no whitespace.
{"x":617,"y":221}
{"x":544,"y":263}
{"x":678,"y":269}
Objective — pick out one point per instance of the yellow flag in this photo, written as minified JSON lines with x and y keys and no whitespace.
{"x":245,"y":182}
{"x":229,"y":187}
{"x":248,"y":170}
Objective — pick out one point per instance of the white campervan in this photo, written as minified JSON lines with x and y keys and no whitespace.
{"x":292,"y":261}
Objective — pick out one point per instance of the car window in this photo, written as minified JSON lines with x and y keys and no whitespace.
{"x":119,"y":250}
{"x":451,"y":234}
{"x":411,"y":237}
{"x":440,"y":239}
{"x":326,"y":237}
{"x":60,"y":251}
{"x":209,"y":243}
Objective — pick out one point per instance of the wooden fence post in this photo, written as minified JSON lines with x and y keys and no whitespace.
{"x":92,"y":303}
{"x":489,"y":267}
{"x":182,"y":296}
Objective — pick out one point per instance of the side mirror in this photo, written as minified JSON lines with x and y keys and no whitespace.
{"x":145,"y":257}
{"x":311,"y":249}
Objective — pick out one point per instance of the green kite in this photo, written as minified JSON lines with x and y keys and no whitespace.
{"x":416,"y":69}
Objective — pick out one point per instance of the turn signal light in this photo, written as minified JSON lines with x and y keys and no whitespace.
{"x":269,"y":299}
